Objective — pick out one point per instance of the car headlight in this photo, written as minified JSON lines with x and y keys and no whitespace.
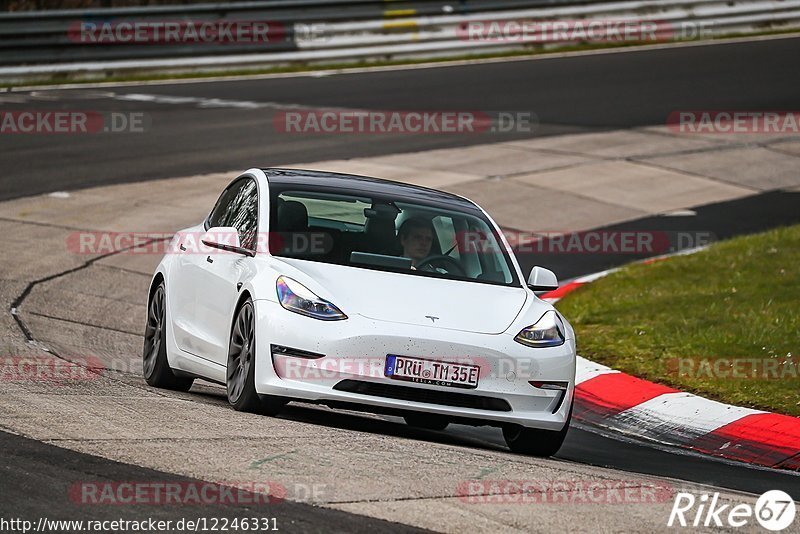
{"x":297,"y":298}
{"x":547,"y":332}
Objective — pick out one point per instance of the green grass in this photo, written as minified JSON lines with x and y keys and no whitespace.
{"x":534,"y":50}
{"x":738,"y":299}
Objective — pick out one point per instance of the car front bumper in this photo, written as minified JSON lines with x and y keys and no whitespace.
{"x":353,"y":354}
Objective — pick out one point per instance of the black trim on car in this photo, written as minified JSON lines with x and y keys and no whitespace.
{"x":429,"y":396}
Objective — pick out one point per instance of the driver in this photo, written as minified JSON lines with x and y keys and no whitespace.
{"x":416,"y":237}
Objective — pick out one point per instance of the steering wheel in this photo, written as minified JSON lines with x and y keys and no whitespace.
{"x":448,"y":263}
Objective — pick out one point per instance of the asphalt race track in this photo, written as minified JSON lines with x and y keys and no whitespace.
{"x":722,"y":220}
{"x":224,"y":125}
{"x":214,"y":133}
{"x":35,"y":473}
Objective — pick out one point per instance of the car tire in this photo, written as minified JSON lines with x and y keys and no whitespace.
{"x":533,"y":441}
{"x":241,"y":369}
{"x":155,"y":367}
{"x":427,"y":421}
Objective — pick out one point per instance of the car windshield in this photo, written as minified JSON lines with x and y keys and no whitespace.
{"x":398,"y":235}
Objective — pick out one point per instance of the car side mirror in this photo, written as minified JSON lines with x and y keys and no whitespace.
{"x":542,"y":279}
{"x":225,"y":238}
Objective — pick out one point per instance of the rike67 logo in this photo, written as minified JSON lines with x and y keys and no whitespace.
{"x":774,"y":510}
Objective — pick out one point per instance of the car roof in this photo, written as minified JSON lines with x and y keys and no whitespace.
{"x":364,"y":185}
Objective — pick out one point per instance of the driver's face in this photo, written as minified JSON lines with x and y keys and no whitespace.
{"x":417,"y":244}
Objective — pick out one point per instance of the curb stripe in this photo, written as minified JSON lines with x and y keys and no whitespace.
{"x":557,"y":294}
{"x":596,"y":276}
{"x":766,"y":439}
{"x":586,"y":370}
{"x":677,"y":418}
{"x":792,"y":464}
{"x":609,"y":394}
{"x":561,"y":291}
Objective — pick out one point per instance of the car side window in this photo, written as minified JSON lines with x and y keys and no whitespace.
{"x":219,"y":214}
{"x":238,"y":207}
{"x":445,"y":230}
{"x":243,"y":214}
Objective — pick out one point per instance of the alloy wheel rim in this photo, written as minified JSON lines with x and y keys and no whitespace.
{"x":240,"y":352}
{"x":153,"y":331}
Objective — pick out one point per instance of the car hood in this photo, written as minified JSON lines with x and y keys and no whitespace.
{"x":409,"y":299}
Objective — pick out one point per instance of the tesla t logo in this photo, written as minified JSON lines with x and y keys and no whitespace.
{"x":432,"y":318}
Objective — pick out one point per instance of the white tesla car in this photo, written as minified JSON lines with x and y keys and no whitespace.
{"x":361,"y":293}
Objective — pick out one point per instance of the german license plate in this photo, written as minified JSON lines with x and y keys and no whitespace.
{"x":421,"y":371}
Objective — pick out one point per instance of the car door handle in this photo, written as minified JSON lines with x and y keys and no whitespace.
{"x":182,"y":247}
{"x":209,"y":260}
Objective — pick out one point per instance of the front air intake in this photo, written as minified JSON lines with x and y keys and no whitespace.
{"x":294,"y":353}
{"x":428,"y":396}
